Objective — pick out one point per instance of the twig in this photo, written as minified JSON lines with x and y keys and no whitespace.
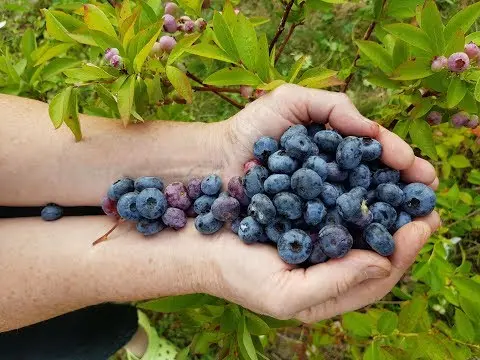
{"x":105,"y":237}
{"x":366,"y":36}
{"x":287,"y":39}
{"x":473,"y":213}
{"x":214,"y":88}
{"x":224,"y":97}
{"x":281,"y":26}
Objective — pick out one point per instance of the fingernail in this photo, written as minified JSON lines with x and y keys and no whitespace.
{"x":375,"y":272}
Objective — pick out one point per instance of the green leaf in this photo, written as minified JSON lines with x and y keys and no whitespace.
{"x":318,"y":77}
{"x":72,"y":119}
{"x":259,"y":20}
{"x":230,"y":318}
{"x":210,"y":52}
{"x":57,"y":66}
{"x":180,"y":82}
{"x":401,"y":52}
{"x":182,"y":46}
{"x":387,"y":322}
{"x":372,"y":352}
{"x":462,"y":20}
{"x":245,"y":343}
{"x":278,"y":324}
{"x":126,"y":95}
{"x":54,"y":28}
{"x":377,"y":54}
{"x":255,"y":324}
{"x":411,"y":35}
{"x":183,"y":354}
{"x":292,"y":75}
{"x":229,"y":15}
{"x":401,"y":128}
{"x":456,"y":43}
{"x":468,"y":103}
{"x":463,"y":326}
{"x":193,"y":7}
{"x":106,"y":97}
{"x":432,"y":347}
{"x":421,"y":134}
{"x":246,"y":41}
{"x":154,"y":89}
{"x":417,"y":68}
{"x":52,"y":52}
{"x":421,"y":108}
{"x":59,"y":107}
{"x":477,"y":90}
{"x":263,"y":63}
{"x":467,"y":287}
{"x":233,"y":76}
{"x":456,"y":92}
{"x":471,"y":308}
{"x":224,"y":36}
{"x":402,"y":9}
{"x":97,"y":20}
{"x":473,"y":37}
{"x":459,"y":162}
{"x":175,"y":303}
{"x":358,"y":324}
{"x":432,"y":24}
{"x":142,"y":55}
{"x":377,"y":8}
{"x":28,"y":44}
{"x":88,"y":72}
{"x":272,"y":85}
{"x":409,"y":315}
{"x":106,"y":41}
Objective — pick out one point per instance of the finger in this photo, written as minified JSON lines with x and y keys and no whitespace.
{"x":434,"y":184}
{"x":334,"y":278}
{"x":408,"y":242}
{"x":420,"y":171}
{"x":303,"y":105}
{"x":396,"y":153}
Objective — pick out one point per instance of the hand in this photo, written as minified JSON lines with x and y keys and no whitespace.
{"x":254,"y":276}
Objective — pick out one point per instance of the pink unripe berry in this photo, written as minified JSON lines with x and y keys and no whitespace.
{"x":200,"y":24}
{"x":439,"y":63}
{"x":156,"y":49}
{"x":434,"y":118}
{"x":250,"y":164}
{"x":189,"y":27}
{"x":259,"y":93}
{"x":246,"y":91}
{"x":237,"y":11}
{"x":109,"y":53}
{"x":460,"y":119}
{"x":206,"y":4}
{"x":167,"y":43}
{"x":458,"y":62}
{"x":472,"y":50}
{"x":183,"y":19}
{"x":473,"y":122}
{"x":171,"y":8}
{"x":116,"y":61}
{"x":169,"y":23}
{"x":109,"y":207}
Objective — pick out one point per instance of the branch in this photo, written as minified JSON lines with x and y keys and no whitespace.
{"x":217,"y":89}
{"x":224,"y":97}
{"x":281,"y":27}
{"x":287,"y":39}
{"x":112,"y":2}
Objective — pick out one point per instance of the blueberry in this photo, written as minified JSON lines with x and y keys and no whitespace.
{"x":390,"y":193}
{"x":419,"y":199}
{"x":206,"y":224}
{"x":300,"y":147}
{"x":314,"y":212}
{"x":151,"y":203}
{"x":146,"y":182}
{"x":401,"y":184}
{"x":119,"y":188}
{"x":277,"y":228}
{"x":109,"y":207}
{"x":177,"y":196}
{"x":291,"y":131}
{"x":359,"y":241}
{"x":349,"y":153}
{"x":225,"y":208}
{"x":371,"y":149}
{"x":306,"y":183}
{"x":288,"y":205}
{"x":327,"y":140}
{"x":327,"y":157}
{"x":403,"y":218}
{"x":335,"y":241}
{"x":276,"y":183}
{"x":384,"y":214}
{"x":360,"y":176}
{"x":194,"y":188}
{"x":211,"y":184}
{"x":236,"y":225}
{"x":203,"y":204}
{"x":190,"y":212}
{"x":51,"y":212}
{"x":379,"y":239}
{"x":250,"y":231}
{"x":362,"y":221}
{"x":174,"y":218}
{"x":127,"y":207}
{"x":329,"y":194}
{"x":333,"y":218}
{"x":371,"y":197}
{"x":149,"y":227}
{"x":349,"y":206}
{"x":235,"y":188}
{"x":317,"y":164}
{"x":280,"y":163}
{"x":358,"y":192}
{"x":264,"y":147}
{"x":382,"y":176}
{"x":335,"y":173}
{"x":254,"y":179}
{"x":314,"y":128}
{"x":295,"y":246}
{"x":317,"y":256}
{"x":261,"y":208}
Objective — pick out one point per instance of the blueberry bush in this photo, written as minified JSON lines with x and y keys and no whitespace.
{"x":412,"y":65}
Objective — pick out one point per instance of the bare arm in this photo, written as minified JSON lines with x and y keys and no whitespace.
{"x":40,"y":165}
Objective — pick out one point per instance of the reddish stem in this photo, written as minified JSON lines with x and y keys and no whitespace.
{"x":281,"y":26}
{"x":105,"y":237}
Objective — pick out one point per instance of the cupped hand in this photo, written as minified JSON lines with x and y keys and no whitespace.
{"x":254,"y":276}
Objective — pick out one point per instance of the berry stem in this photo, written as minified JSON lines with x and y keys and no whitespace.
{"x":281,"y":26}
{"x":105,"y":236}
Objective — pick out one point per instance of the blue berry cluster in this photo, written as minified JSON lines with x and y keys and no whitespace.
{"x":316,"y":194}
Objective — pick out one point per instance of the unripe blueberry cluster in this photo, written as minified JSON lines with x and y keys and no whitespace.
{"x":113,"y":57}
{"x":457,"y":62}
{"x":463,"y":119}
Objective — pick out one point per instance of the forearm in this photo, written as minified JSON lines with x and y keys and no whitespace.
{"x":48,"y":269}
{"x":39,"y":164}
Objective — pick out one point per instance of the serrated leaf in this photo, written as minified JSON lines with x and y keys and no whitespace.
{"x":462,"y":20}
{"x":126,"y":95}
{"x":456,"y":43}
{"x":233,"y":76}
{"x":97,"y":20}
{"x":57,"y":66}
{"x":387,"y":322}
{"x":181,"y":47}
{"x":224,"y":36}
{"x":417,"y":68}
{"x":411,"y":35}
{"x":52,"y":52}
{"x":246,"y":41}
{"x":377,"y":54}
{"x":432,"y":24}
{"x":142,"y":55}
{"x":421,"y":134}
{"x":409,"y":315}
{"x":263,"y":63}
{"x":463,"y":326}
{"x":358,"y":324}
{"x":401,"y":128}
{"x":210,"y":52}
{"x":245,"y":343}
{"x":88,"y":72}
{"x":456,"y":91}
{"x":180,"y":82}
